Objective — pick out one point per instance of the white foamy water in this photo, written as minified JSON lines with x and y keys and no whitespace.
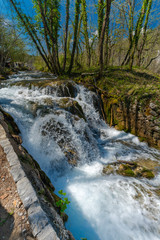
{"x":102,"y":207}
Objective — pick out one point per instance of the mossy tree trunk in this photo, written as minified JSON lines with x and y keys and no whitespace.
{"x":144,"y":36}
{"x":138,"y":32}
{"x":103,"y":31}
{"x":131,"y":4}
{"x":100,"y":16}
{"x":76,"y":22}
{"x":66,"y":33}
{"x":85,"y":31}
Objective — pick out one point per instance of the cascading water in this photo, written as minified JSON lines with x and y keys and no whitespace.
{"x":59,"y":127}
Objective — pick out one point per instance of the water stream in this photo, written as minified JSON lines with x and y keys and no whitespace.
{"x":110,"y":207}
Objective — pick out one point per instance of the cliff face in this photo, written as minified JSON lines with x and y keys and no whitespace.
{"x":139,"y":117}
{"x":130,"y":101}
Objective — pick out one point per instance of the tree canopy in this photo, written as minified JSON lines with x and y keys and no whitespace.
{"x":71,"y":34}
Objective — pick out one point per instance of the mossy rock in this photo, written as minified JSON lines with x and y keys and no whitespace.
{"x":129,"y":169}
{"x":2,"y":78}
{"x":128,"y":172}
{"x":71,"y":106}
{"x":107,"y":170}
{"x":25,"y":158}
{"x":12,"y":126}
{"x":125,"y":170}
{"x":66,"y":89}
{"x":147,"y":174}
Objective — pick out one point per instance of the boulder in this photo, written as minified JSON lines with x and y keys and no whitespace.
{"x":71,"y":106}
{"x":145,"y":168}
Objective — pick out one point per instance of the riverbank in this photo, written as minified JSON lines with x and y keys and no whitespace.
{"x":63,"y":130}
{"x":34,"y":199}
{"x":131,"y":101}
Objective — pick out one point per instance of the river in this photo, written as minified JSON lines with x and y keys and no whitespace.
{"x":103,"y":207}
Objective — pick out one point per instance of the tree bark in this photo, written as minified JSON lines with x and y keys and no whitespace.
{"x":66,"y":34}
{"x":85,"y":29}
{"x":100,"y":16}
{"x":101,"y":40}
{"x":77,"y":14}
{"x":140,"y":50}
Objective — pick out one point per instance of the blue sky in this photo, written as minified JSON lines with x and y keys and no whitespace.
{"x":5,"y":10}
{"x":92,"y":16}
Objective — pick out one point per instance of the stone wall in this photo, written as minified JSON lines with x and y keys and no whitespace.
{"x":140,"y":117}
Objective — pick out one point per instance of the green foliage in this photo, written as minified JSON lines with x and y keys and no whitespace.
{"x":119,"y":45}
{"x":51,"y":9}
{"x":11,"y":44}
{"x":63,"y":202}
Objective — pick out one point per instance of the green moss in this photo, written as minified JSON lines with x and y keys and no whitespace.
{"x":10,"y":129}
{"x":128,"y":172}
{"x":44,"y":177}
{"x":72,"y":107}
{"x":147,"y":173}
{"x":25,"y":159}
{"x":142,"y":139}
{"x":41,"y":191}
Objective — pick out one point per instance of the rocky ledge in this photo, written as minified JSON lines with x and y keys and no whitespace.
{"x":34,"y":187}
{"x":142,"y":168}
{"x":130,"y":101}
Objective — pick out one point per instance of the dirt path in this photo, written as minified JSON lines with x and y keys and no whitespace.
{"x":14,"y":223}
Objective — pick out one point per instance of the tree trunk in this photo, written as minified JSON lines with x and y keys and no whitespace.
{"x":101,"y":40}
{"x":85,"y":29}
{"x":130,"y":27}
{"x":32,"y":35}
{"x":140,"y":50}
{"x":66,"y":34}
{"x":48,"y":30}
{"x":100,"y":16}
{"x":137,"y":32}
{"x":76,"y":21}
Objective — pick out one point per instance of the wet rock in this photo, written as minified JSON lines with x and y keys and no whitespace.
{"x":12,"y":126}
{"x":17,"y":138}
{"x":71,"y":106}
{"x":1,"y":116}
{"x":71,"y":156}
{"x":66,"y":89}
{"x":62,"y":137}
{"x":107,"y":170}
{"x":141,"y":168}
{"x":125,"y":170}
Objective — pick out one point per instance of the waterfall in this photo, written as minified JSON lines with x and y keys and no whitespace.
{"x":62,"y":128}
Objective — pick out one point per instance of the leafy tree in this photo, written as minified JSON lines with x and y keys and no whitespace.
{"x":12,"y":46}
{"x":118,"y":37}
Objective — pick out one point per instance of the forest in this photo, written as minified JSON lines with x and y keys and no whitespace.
{"x":79,"y":36}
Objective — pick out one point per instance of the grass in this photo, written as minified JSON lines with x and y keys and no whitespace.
{"x":121,"y":83}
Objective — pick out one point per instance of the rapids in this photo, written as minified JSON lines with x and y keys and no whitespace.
{"x":102,"y":207}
